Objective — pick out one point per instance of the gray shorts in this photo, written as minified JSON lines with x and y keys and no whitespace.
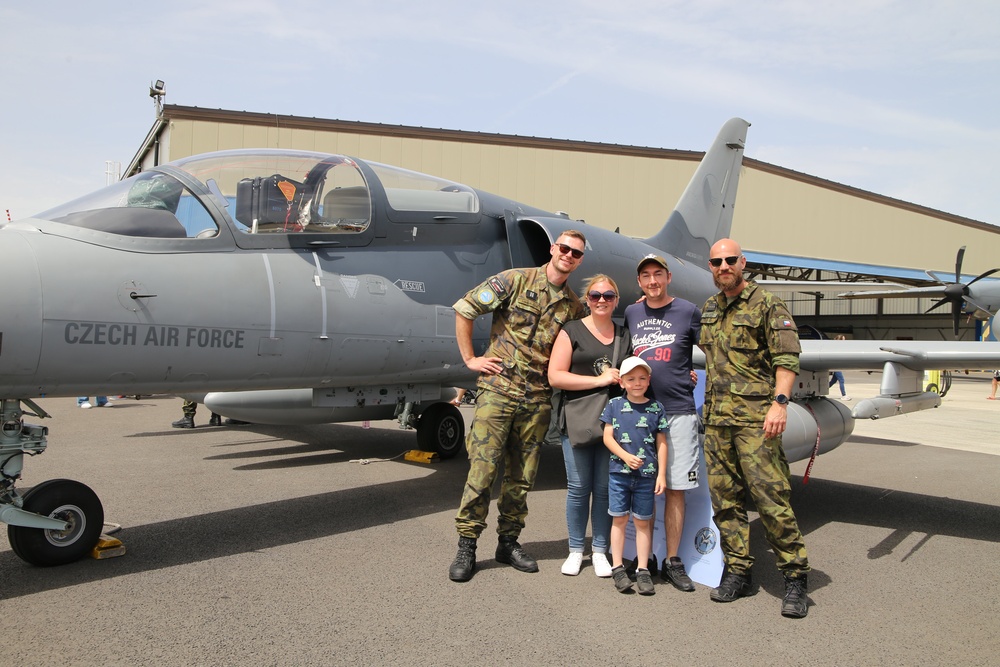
{"x":682,"y":451}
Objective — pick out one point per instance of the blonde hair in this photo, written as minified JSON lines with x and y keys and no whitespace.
{"x":599,"y":278}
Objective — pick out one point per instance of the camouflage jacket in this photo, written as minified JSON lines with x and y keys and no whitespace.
{"x":528,"y":312}
{"x":743,"y":342}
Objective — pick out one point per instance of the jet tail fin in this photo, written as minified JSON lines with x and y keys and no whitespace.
{"x":704,"y":213}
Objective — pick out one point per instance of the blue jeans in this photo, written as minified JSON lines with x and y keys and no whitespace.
{"x":101,"y":400}
{"x":838,"y":377}
{"x":587,"y":495}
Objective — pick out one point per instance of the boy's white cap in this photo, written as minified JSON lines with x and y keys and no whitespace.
{"x":631,"y":363}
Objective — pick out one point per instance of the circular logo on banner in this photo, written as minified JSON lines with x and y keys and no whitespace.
{"x":705,"y":541}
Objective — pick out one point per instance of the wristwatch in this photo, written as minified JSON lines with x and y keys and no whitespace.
{"x":781,"y":399}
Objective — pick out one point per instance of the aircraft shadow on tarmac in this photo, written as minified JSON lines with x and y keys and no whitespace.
{"x":246,"y":529}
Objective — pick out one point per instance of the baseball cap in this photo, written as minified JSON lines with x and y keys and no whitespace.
{"x":652,"y":258}
{"x":632,"y":363}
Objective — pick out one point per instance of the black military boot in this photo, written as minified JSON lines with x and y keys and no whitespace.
{"x":511,"y":553}
{"x":732,"y":587}
{"x":216,"y":420}
{"x":465,"y":560}
{"x":184,"y":422}
{"x":795,"y":604}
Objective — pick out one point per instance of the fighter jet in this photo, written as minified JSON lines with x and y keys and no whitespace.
{"x":285,"y":286}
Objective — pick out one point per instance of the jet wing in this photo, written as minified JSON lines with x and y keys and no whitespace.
{"x":838,"y":355}
{"x":838,"y":287}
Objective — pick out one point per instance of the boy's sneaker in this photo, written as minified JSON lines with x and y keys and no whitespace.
{"x":620,"y":576}
{"x":733,"y":586}
{"x":674,"y":573}
{"x":602,"y":568}
{"x":644,"y":582}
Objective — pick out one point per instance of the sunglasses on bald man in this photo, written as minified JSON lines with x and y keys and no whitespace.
{"x":717,"y":261}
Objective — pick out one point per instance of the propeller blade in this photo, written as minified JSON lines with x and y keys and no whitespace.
{"x":937,"y":305}
{"x":984,"y":274}
{"x":956,"y":313}
{"x":958,"y":264}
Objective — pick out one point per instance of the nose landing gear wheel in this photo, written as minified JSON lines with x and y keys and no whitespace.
{"x":441,"y":429}
{"x":69,"y":501}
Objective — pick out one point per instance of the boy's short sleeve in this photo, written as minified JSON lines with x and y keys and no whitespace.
{"x":607,"y":417}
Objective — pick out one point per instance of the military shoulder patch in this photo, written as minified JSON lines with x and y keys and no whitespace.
{"x":499,"y":286}
{"x":486,"y":296}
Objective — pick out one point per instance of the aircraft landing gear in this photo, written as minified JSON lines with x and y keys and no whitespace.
{"x":65,"y":500}
{"x":441,"y":429}
{"x":56,"y":522}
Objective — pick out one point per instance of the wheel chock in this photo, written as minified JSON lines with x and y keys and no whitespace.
{"x":108,"y":547}
{"x":420,"y":456}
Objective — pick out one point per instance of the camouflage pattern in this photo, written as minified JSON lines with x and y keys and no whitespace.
{"x":739,"y":459}
{"x":528,"y":312}
{"x":189,"y":408}
{"x":512,"y":430}
{"x":743,"y":342}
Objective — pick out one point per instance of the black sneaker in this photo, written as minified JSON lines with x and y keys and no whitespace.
{"x":464,"y":565}
{"x":633,"y":566}
{"x":511,"y":553}
{"x":620,"y":577}
{"x":733,"y":586}
{"x":795,"y":604}
{"x":674,"y":573}
{"x":644,"y":582}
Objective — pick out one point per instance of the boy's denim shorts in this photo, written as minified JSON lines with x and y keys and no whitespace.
{"x":631,"y":494}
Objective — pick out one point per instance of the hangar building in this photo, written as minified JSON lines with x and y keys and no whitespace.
{"x":791,"y":225}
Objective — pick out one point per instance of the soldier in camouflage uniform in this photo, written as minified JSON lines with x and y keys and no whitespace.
{"x":513,"y":407}
{"x":751,"y":356}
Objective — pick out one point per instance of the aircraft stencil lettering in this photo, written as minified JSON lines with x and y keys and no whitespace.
{"x":321,"y":286}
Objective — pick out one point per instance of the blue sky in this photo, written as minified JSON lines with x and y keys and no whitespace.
{"x":899,"y":98}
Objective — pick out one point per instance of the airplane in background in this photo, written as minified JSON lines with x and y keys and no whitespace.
{"x":980,"y":300}
{"x":285,"y":286}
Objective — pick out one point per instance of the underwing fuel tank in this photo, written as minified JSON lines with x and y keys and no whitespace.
{"x":21,"y":308}
{"x":808,"y":419}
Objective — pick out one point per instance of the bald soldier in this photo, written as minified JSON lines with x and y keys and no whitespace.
{"x":751,"y":357}
{"x":513,"y":408}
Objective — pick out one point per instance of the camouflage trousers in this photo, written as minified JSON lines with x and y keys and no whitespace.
{"x":512,"y":431}
{"x":739,"y":459}
{"x":189,"y":408}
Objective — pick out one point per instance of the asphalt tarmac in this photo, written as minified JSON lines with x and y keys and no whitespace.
{"x":263,"y":545}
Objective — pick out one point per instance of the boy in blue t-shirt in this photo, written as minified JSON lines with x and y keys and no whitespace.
{"x":635,"y":430}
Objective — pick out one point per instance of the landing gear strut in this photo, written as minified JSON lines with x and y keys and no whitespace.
{"x":56,"y":522}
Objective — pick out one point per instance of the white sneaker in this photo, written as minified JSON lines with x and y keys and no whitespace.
{"x":602,"y":568}
{"x":845,"y":398}
{"x":571,"y":566}
{"x":85,"y":405}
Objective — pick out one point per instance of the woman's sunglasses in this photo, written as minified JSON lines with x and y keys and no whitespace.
{"x":596,"y":296}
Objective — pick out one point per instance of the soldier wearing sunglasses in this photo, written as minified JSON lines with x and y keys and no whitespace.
{"x":513,"y":408}
{"x":751,"y":357}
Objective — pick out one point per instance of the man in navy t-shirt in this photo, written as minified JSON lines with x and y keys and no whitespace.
{"x":664,"y":330}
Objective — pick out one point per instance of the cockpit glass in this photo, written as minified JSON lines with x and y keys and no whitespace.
{"x":412,"y":191}
{"x":150,"y":204}
{"x":287,"y":191}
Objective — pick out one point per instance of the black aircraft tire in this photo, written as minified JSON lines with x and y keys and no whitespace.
{"x":63,"y":499}
{"x":441,"y":429}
